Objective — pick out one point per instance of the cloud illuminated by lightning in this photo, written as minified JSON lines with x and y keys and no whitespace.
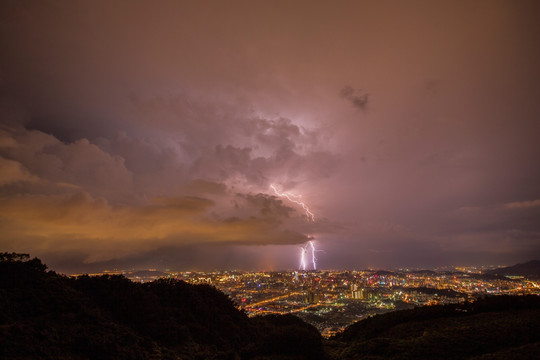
{"x":295,"y":199}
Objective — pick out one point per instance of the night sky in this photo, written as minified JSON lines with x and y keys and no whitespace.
{"x":139,"y":134}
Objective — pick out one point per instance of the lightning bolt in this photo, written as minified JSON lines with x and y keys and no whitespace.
{"x":303,"y":253}
{"x":295,"y":199}
{"x":313,"y":259}
{"x":303,"y":258}
{"x":304,"y":249}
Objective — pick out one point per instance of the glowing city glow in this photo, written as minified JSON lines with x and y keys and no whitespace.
{"x":295,"y":199}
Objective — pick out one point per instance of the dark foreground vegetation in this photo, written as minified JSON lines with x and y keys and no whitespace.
{"x":501,"y":327}
{"x":44,"y":315}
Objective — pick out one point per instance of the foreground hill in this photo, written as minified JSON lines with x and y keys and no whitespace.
{"x":529,"y":269}
{"x":44,"y":315}
{"x":48,"y":316}
{"x":493,"y":328}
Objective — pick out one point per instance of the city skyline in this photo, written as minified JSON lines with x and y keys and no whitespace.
{"x":216,"y":135}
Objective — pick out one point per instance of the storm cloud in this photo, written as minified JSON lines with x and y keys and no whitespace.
{"x":134,"y":133}
{"x":356,"y":97}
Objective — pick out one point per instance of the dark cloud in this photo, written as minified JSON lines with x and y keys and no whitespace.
{"x":346,"y":92}
{"x":200,"y":186}
{"x":356,"y":96}
{"x":267,"y":205}
{"x":199,"y":257}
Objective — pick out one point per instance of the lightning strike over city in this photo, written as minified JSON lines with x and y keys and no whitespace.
{"x":303,"y":258}
{"x":303,"y":253}
{"x":313,"y":259}
{"x":303,"y":250}
{"x":335,"y":160}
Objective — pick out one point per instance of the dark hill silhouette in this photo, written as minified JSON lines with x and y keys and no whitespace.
{"x":529,"y":269}
{"x":48,"y":316}
{"x":44,"y":315}
{"x":492,"y":327}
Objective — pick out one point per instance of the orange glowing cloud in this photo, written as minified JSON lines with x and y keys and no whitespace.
{"x":79,"y":221}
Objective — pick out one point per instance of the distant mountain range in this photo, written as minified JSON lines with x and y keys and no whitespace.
{"x":528,"y":269}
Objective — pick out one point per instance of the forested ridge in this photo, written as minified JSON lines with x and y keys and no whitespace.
{"x":45,"y":315}
{"x":498,"y":327}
